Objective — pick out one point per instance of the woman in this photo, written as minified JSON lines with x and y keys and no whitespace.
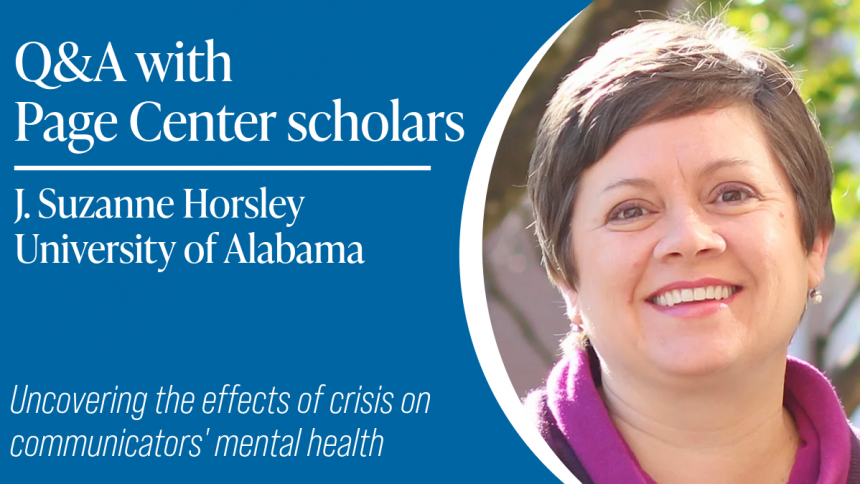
{"x":681,"y":192}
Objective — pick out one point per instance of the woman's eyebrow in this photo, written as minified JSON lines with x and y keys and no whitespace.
{"x":707,"y":170}
{"x":629,"y":182}
{"x":721,"y":163}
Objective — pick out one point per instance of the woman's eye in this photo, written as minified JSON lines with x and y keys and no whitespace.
{"x":627,"y":213}
{"x":734,"y":194}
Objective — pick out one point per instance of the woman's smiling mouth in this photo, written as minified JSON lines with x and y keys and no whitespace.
{"x":694,"y":299}
{"x":680,"y":296}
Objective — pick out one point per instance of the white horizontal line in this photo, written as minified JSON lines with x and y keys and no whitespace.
{"x":218,"y":168}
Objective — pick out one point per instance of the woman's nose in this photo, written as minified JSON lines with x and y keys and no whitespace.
{"x":688,"y":236}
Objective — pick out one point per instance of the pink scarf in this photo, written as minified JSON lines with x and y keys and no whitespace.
{"x":823,"y":456}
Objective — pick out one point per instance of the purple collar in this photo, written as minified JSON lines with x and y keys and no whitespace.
{"x":822,"y":458}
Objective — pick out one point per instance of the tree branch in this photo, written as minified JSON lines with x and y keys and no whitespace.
{"x":520,"y":319}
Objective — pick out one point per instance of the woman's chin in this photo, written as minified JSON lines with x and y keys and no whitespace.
{"x":693,"y":347}
{"x":693,"y":358}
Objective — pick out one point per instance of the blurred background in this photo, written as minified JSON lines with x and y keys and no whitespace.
{"x":820,"y":40}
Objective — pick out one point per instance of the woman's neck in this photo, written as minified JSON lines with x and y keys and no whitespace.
{"x":726,"y":428}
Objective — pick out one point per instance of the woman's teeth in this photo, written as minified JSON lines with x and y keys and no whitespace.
{"x":677,"y":296}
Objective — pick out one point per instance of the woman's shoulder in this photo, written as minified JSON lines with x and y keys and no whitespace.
{"x":538,"y":409}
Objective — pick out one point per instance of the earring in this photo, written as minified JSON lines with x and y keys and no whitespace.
{"x":816,"y":296}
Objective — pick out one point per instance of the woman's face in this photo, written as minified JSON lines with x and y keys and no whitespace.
{"x":687,"y":242}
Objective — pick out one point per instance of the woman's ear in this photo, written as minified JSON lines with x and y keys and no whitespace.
{"x":571,"y":300}
{"x":817,"y":259}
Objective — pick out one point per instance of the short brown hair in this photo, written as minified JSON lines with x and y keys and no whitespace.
{"x":661,"y":70}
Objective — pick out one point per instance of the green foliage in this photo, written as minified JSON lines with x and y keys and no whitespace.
{"x":846,"y":207}
{"x":820,"y":40}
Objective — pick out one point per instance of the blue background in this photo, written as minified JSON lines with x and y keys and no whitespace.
{"x":396,"y":321}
